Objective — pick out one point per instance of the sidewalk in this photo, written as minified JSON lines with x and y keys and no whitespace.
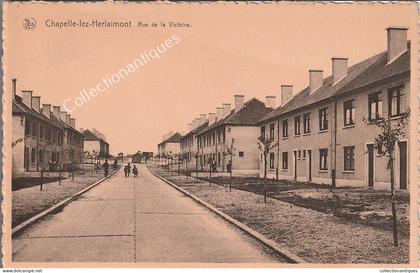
{"x":315,"y":236}
{"x":28,"y":202}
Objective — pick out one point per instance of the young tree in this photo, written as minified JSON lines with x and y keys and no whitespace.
{"x":265,"y":145}
{"x":230,"y":151}
{"x":386,"y":141}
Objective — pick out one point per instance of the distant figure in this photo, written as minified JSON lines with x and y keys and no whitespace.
{"x":115,"y":163}
{"x":229,"y":166}
{"x":135,"y":171}
{"x":106,"y":167}
{"x":127,"y":170}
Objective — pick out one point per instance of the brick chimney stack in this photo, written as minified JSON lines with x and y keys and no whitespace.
{"x":270,"y":102}
{"x":14,"y":87}
{"x":27,"y":98}
{"x":286,"y":93}
{"x":36,"y":103}
{"x":226,"y":109}
{"x":315,"y":80}
{"x":339,"y":69}
{"x":397,"y":42}
{"x":239,"y":102}
{"x":46,"y":110}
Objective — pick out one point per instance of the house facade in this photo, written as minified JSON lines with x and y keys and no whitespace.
{"x":326,"y":132}
{"x":188,"y":142}
{"x":170,"y":146}
{"x":38,"y":136}
{"x":94,"y":145}
{"x":231,"y":136}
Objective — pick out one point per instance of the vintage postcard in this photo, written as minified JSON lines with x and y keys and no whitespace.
{"x":210,"y":134}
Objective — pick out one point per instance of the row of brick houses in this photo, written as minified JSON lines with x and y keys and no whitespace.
{"x":324,"y":133}
{"x":45,"y":137}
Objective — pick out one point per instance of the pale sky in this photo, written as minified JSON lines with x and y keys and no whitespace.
{"x":230,"y":49}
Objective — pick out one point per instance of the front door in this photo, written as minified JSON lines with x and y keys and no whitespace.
{"x":371,"y":154}
{"x":295,"y":164}
{"x":26,"y":159}
{"x":403,"y":165}
{"x":309,"y":165}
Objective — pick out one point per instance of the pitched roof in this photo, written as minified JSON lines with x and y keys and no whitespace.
{"x":250,"y":113}
{"x":90,"y":136}
{"x":175,"y":138}
{"x":366,"y":72}
{"x":196,"y":130}
{"x":20,"y":108}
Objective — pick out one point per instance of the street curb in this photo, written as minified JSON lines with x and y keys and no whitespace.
{"x":16,"y":230}
{"x":270,"y":243}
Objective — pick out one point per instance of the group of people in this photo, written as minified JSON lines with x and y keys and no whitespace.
{"x":127,"y":170}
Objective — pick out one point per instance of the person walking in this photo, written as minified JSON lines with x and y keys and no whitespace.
{"x":106,"y":168}
{"x":135,"y":171}
{"x":128,"y":170}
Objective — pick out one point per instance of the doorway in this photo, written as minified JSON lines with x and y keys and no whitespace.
{"x":403,"y":165}
{"x":371,"y":164}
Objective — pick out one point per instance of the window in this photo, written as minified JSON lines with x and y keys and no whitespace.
{"x":272,"y":131}
{"x":304,"y":154}
{"x":224,"y":134}
{"x":307,"y":123}
{"x":299,"y":154}
{"x":241,"y":154}
{"x":263,"y":132}
{"x":323,"y":119}
{"x":285,"y":129}
{"x":323,"y":157}
{"x":218,"y":158}
{"x":349,"y":158}
{"x":34,"y":130}
{"x":349,"y":112}
{"x":271,"y":160}
{"x":396,"y":101}
{"x":27,"y":127}
{"x":297,"y":125}
{"x":33,"y":155}
{"x":285,"y":160}
{"x":375,"y":105}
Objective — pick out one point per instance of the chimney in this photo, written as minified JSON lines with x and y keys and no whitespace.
{"x":36,"y":103}
{"x":339,"y":69}
{"x":286,"y":93}
{"x":212,"y":118}
{"x":203,"y":118}
{"x":56,"y":111}
{"x":46,"y":110}
{"x":239,"y":102}
{"x":219,"y":113}
{"x":63,"y":115}
{"x":315,"y":80}
{"x":68,"y":117}
{"x":194,"y":123}
{"x":226,"y":109}
{"x":397,"y":42}
{"x":270,"y":101}
{"x":14,"y":87}
{"x":73,"y":122}
{"x":27,"y":98}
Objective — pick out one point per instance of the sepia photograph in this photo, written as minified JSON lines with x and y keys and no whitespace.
{"x":206,"y":135}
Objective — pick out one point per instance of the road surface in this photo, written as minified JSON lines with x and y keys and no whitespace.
{"x":136,"y":220}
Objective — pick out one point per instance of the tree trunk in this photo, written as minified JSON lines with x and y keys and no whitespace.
{"x":42,"y":179}
{"x":394,"y":211}
{"x":265,"y":179}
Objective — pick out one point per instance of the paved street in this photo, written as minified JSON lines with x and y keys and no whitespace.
{"x":136,"y":220}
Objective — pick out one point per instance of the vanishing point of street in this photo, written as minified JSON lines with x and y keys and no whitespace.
{"x":137,"y":220}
